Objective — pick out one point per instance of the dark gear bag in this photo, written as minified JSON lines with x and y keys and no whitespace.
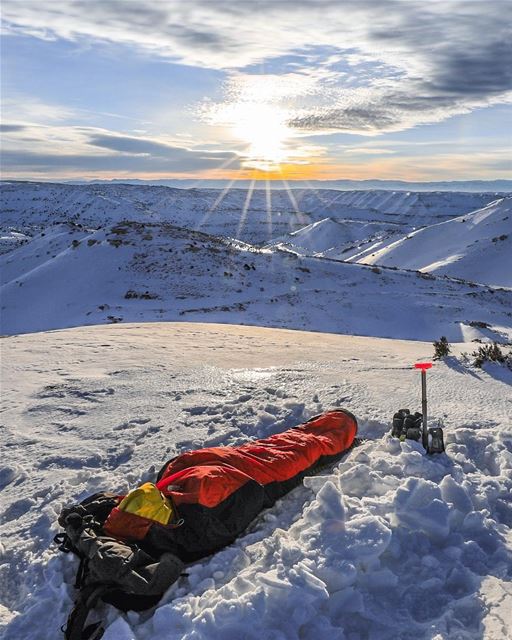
{"x":116,"y":572}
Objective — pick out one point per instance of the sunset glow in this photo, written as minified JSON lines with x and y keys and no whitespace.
{"x":217,"y":90}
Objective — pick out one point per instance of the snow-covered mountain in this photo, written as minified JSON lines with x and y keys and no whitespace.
{"x":333,"y":238}
{"x":134,"y":271}
{"x":408,"y":207}
{"x":387,"y":544}
{"x":340,"y":185}
{"x":254,"y":217}
{"x":476,"y":246}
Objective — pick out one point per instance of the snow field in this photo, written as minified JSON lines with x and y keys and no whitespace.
{"x":389,"y":543}
{"x":39,"y":203}
{"x":136,"y":272}
{"x":475,"y":246}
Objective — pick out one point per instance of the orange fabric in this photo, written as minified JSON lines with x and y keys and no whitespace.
{"x":126,"y":526}
{"x":216,"y":472}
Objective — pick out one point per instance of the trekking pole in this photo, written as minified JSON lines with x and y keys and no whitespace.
{"x":423,"y":366}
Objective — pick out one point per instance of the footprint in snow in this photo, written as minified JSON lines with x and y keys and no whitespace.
{"x":17,"y":509}
{"x":132,"y":423}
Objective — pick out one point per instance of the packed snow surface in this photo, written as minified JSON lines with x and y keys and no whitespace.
{"x":388,"y":544}
{"x":476,"y":246}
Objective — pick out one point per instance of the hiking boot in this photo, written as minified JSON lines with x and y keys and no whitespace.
{"x":398,"y":422}
{"x":412,"y":426}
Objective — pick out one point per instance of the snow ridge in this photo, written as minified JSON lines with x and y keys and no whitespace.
{"x":476,"y":246}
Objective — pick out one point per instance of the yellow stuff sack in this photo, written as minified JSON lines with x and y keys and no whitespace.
{"x":148,"y":502}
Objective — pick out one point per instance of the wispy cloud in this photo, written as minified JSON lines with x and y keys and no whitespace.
{"x":69,"y":150}
{"x":10,"y":128}
{"x":370,"y":66}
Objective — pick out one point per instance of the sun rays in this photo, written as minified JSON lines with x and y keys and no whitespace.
{"x":245,"y":209}
{"x":296,"y":215}
{"x":268,"y":203}
{"x":256,"y":113}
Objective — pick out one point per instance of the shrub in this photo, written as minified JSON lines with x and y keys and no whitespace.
{"x":441,"y":348}
{"x":479,"y":325}
{"x":491,"y":353}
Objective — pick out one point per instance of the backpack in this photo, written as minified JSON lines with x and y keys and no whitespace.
{"x":117,"y":572}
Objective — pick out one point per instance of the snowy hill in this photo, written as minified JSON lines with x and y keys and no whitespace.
{"x":254,"y":217}
{"x":397,"y":206}
{"x":476,"y":247}
{"x":388,"y":544}
{"x":42,"y":249}
{"x":11,"y":239}
{"x":147,"y":271}
{"x":333,"y":238}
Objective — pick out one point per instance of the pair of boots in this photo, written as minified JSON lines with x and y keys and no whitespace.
{"x":407,"y":425}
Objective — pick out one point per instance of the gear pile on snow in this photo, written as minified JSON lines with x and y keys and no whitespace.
{"x":133,"y":548}
{"x":408,"y":426}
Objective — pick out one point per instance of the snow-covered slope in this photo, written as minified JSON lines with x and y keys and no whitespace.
{"x":333,"y":238}
{"x":389,"y":544}
{"x":11,"y":239}
{"x":255,"y":216}
{"x":139,"y":272}
{"x":35,"y":252}
{"x":402,"y":206}
{"x":477,"y":247}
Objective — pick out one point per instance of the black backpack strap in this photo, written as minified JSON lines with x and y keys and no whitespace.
{"x":63,"y":542}
{"x":75,"y":628}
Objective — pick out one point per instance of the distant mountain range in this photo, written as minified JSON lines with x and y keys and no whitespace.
{"x":476,"y":246}
{"x":25,"y":204}
{"x":74,"y":255}
{"x":364,"y":185}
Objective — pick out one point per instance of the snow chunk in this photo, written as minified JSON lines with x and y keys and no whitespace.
{"x":419,"y":506}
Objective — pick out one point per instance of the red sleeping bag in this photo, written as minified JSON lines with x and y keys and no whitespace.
{"x":218,"y":491}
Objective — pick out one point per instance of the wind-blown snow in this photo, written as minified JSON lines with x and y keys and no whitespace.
{"x":388,"y":544}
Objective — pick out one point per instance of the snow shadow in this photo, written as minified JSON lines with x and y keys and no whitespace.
{"x":499,"y":372}
{"x":455,"y":364}
{"x":494,"y":369}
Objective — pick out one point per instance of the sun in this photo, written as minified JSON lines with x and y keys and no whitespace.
{"x":263,"y":127}
{"x":255,"y":115}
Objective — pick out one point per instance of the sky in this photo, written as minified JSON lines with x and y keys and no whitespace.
{"x":264,"y":89}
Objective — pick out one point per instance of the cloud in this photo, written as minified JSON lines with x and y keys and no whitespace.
{"x":40,"y":162}
{"x":9,"y":128}
{"x":82,"y":149}
{"x":374,"y":65}
{"x":147,"y":147}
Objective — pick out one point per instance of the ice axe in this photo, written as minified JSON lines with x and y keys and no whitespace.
{"x":432,"y":437}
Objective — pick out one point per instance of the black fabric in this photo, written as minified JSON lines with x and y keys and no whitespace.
{"x":129,"y":601}
{"x":87,"y":600}
{"x":276,"y":490}
{"x":206,"y":530}
{"x":126,"y":566}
